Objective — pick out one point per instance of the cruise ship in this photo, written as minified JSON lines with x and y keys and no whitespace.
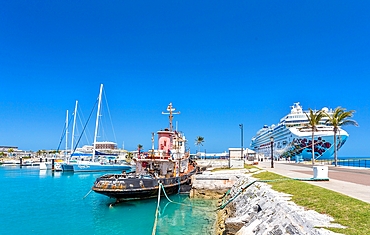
{"x":293,"y":139}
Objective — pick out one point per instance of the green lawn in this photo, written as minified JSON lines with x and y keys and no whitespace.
{"x":347,"y":211}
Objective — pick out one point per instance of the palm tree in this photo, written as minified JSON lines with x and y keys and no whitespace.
{"x":314,"y":118}
{"x":199,"y":141}
{"x":139,"y":147}
{"x":337,"y":119}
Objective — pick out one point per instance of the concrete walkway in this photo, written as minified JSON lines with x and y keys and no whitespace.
{"x":351,"y":181}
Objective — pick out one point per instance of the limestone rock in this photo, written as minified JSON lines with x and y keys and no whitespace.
{"x":260,"y":210}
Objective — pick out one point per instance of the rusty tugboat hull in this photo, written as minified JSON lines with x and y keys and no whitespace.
{"x":133,"y":187}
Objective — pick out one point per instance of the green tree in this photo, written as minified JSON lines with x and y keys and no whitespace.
{"x":139,"y":147}
{"x":314,"y":118}
{"x":129,"y":157}
{"x":199,"y":141}
{"x":340,"y":117}
{"x":10,"y":151}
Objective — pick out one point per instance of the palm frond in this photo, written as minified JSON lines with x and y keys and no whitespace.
{"x":340,"y":118}
{"x":349,"y":122}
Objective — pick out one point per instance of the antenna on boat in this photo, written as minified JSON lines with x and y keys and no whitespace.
{"x":152,"y":151}
{"x":152,"y":140}
{"x":170,"y":109}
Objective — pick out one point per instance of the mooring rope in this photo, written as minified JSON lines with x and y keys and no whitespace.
{"x":245,"y":186}
{"x":165,"y":194}
{"x":178,"y":179}
{"x":87,"y":194}
{"x":241,"y":189}
{"x":157,"y":210}
{"x":182,"y":204}
{"x":171,"y":201}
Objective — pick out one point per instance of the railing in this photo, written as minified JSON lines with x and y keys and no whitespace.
{"x":348,"y":162}
{"x":355,"y":163}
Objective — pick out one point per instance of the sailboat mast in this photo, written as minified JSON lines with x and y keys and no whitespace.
{"x":97,"y":120}
{"x":66,"y":134}
{"x":73,"y":128}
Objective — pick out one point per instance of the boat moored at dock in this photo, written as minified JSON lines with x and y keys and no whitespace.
{"x":169,"y":165}
{"x":293,"y":139}
{"x":11,"y":162}
{"x":97,"y":160}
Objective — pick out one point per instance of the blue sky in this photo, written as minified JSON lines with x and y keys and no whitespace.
{"x":220,"y":63}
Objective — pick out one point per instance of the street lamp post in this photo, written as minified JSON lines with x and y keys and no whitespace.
{"x":272,"y":151}
{"x":241,"y":152}
{"x":229,"y":159}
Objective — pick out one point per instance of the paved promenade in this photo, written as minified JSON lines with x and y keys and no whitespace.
{"x":351,"y":181}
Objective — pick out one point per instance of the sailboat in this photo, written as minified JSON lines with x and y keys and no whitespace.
{"x":67,"y":165}
{"x":56,"y":164}
{"x":99,"y":161}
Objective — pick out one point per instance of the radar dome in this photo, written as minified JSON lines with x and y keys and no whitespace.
{"x":325,"y":109}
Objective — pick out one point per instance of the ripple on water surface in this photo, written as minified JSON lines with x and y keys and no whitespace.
{"x":42,"y":202}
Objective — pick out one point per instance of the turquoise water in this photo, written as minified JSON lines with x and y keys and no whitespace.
{"x":43,"y":202}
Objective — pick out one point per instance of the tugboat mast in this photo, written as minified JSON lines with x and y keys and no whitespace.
{"x":170,"y":109}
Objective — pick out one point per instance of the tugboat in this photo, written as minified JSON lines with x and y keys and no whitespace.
{"x":169,"y":166}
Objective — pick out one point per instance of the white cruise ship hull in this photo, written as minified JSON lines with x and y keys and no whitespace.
{"x":298,"y":146}
{"x":292,"y":139}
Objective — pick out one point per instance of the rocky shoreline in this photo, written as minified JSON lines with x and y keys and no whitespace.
{"x":257,"y":209}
